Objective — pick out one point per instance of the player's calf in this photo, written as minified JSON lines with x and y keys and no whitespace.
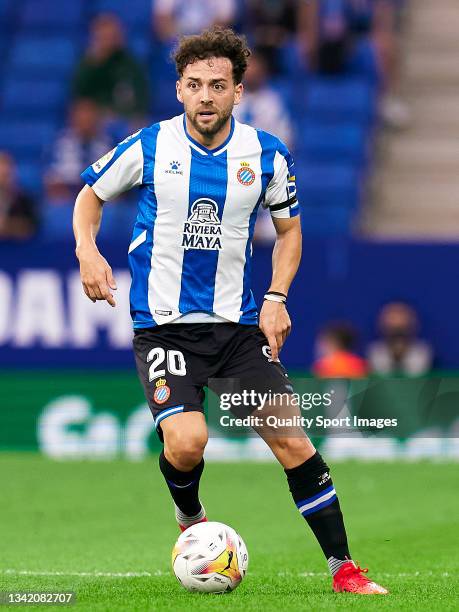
{"x":314,"y":494}
{"x":182,"y":464}
{"x":184,"y":489}
{"x":291,"y":450}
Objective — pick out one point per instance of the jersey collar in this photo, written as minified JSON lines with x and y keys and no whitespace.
{"x":204,"y":150}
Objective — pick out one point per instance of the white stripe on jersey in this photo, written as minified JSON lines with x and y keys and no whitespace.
{"x":165,"y":280}
{"x":138,"y":241}
{"x":112,"y":182}
{"x":235,"y":222}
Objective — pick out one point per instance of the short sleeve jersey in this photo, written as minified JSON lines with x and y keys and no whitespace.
{"x":191,"y":243}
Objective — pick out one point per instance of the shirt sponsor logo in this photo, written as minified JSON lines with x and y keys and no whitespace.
{"x":203,"y":229}
{"x":245,"y":174}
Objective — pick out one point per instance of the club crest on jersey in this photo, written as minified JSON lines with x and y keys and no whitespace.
{"x":162,"y":391}
{"x":245,"y":174}
{"x":203,"y":229}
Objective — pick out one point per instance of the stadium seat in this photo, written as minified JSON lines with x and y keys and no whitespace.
{"x":293,"y":93}
{"x":30,"y":176}
{"x":36,"y":56}
{"x":338,"y":99}
{"x":26,"y":139}
{"x":291,"y":61}
{"x":31,"y":97}
{"x":327,"y":185}
{"x":326,"y":222}
{"x":164,"y":101}
{"x":139,"y":43}
{"x":56,"y":221}
{"x":5,"y":6}
{"x":342,"y":142}
{"x":119,"y":219}
{"x":364,"y":62}
{"x":51,"y":14}
{"x":131,"y":14}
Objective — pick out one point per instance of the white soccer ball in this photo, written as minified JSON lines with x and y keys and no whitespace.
{"x":210,"y":558}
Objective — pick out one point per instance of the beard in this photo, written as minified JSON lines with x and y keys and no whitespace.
{"x":215,"y":127}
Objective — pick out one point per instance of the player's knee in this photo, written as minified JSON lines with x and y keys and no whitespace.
{"x":185,"y":449}
{"x":289,"y":445}
{"x":186,"y":458}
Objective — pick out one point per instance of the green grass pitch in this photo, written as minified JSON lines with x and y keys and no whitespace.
{"x":62,"y":523}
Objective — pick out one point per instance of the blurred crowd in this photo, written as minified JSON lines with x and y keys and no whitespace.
{"x":111,"y":92}
{"x":398,"y":349}
{"x":114,"y":91}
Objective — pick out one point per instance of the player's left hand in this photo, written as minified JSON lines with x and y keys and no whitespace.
{"x":275,"y":324}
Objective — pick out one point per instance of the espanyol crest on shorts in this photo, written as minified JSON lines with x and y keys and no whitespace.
{"x":162,"y":391}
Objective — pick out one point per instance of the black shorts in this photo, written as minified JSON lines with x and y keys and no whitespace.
{"x":176,"y":361}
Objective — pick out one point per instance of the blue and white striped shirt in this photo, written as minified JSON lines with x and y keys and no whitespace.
{"x":191,"y":244}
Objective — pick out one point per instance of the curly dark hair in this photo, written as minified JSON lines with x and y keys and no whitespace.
{"x":214,"y":42}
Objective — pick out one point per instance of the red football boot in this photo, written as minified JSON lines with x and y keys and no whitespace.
{"x":350,"y":579}
{"x":185,"y":527}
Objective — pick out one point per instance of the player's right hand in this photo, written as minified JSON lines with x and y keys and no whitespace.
{"x":96,"y":276}
{"x":276,"y":325}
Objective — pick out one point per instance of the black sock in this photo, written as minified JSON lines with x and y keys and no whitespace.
{"x":314,"y":494}
{"x":184,"y":486}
